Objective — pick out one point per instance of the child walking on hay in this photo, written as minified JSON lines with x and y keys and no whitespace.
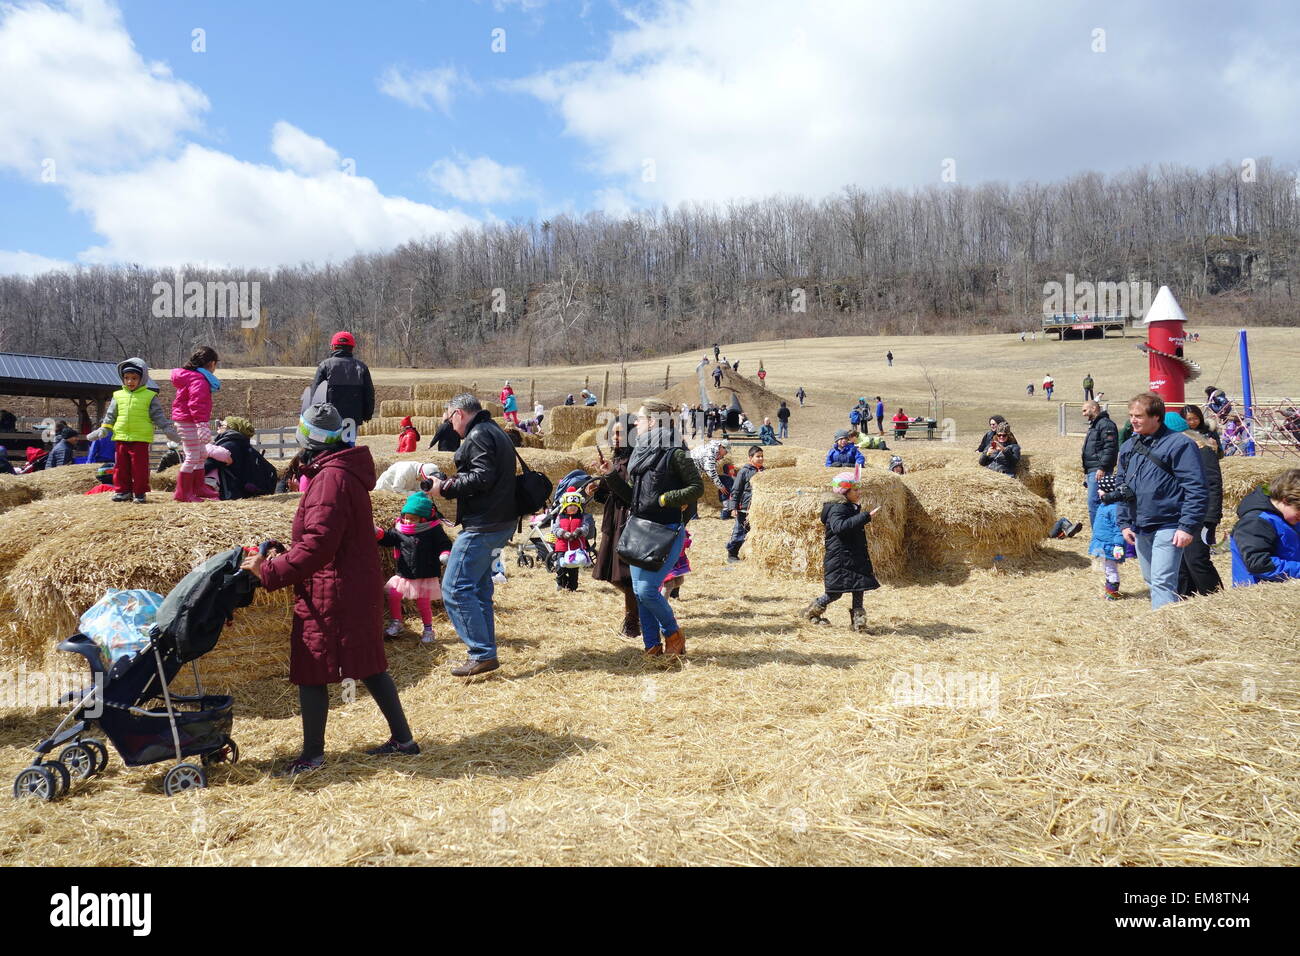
{"x":418,"y":544}
{"x":131,"y":418}
{"x":847,"y":566}
{"x":1107,"y":542}
{"x":573,"y":530}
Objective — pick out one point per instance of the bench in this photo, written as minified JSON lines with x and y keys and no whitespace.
{"x":912,"y":429}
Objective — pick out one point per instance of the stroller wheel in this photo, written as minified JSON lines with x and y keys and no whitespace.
{"x":35,"y":782}
{"x":182,"y":777}
{"x":80,"y":760}
{"x":62,"y":779}
{"x":101,"y":754}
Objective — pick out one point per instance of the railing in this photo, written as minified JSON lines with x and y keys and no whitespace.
{"x":274,"y":443}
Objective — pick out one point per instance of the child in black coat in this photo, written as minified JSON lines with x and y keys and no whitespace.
{"x":847,"y":567}
{"x":419,"y":543}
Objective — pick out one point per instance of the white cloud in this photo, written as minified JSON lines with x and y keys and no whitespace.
{"x":29,"y":263}
{"x":301,"y":152}
{"x":737,"y":98}
{"x":74,"y":89}
{"x":206,"y":207}
{"x":424,"y":89}
{"x":481,"y":179}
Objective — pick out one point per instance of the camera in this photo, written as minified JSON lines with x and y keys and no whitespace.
{"x":1122,"y":493}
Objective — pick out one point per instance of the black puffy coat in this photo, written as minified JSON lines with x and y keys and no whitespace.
{"x":1004,"y":462}
{"x":418,"y":555}
{"x":348,"y":385}
{"x":249,"y":474}
{"x":445,"y":438}
{"x":847,"y":566}
{"x":484,"y":483}
{"x":1213,"y":484}
{"x":1101,"y":446}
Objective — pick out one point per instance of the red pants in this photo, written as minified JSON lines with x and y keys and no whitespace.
{"x":131,"y":467}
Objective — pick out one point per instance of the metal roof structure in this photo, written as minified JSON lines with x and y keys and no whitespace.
{"x":45,"y":376}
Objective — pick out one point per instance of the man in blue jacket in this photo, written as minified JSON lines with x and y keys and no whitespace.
{"x":1163,"y":495}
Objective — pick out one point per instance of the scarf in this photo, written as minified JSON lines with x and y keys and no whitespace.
{"x":213,"y":381}
{"x":648,"y":446}
{"x":406,"y":527}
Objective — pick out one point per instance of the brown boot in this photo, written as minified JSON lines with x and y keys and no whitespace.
{"x":631,"y":615}
{"x":814,"y":611}
{"x":675,"y":644}
{"x":656,"y":651}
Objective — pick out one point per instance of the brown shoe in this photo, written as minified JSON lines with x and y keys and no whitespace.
{"x":675,"y":644}
{"x":656,"y":651}
{"x":472,"y":667}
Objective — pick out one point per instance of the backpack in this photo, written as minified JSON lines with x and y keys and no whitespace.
{"x":265,"y":476}
{"x":532,"y":491}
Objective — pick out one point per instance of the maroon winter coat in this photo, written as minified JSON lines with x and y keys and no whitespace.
{"x":334,"y":568}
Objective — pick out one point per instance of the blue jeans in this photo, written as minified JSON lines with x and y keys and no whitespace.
{"x":783,"y":430}
{"x":1160,"y":562}
{"x":467,"y":589}
{"x":739,"y":532}
{"x":657,"y":618}
{"x":1093,"y":503}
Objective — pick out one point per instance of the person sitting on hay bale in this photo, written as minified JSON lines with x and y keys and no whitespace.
{"x":104,"y":475}
{"x":767,"y":434}
{"x":243,"y":471}
{"x":1265,"y":542}
{"x":844,"y":453}
{"x":408,"y":439}
{"x":1003,"y":452}
{"x":420,"y":546}
{"x":333,"y":567}
{"x":847,"y":565}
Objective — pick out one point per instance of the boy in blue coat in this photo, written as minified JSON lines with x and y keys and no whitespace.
{"x":1265,"y":542}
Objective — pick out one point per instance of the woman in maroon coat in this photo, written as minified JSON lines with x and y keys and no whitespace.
{"x":334,"y":569}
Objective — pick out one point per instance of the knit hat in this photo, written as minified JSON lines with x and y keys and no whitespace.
{"x":1107,"y":484}
{"x":842,"y":433}
{"x":406,"y":421}
{"x":242,"y":425}
{"x":418,"y":503}
{"x":343,"y":340}
{"x":1175,"y":422}
{"x":843,"y":483}
{"x":104,"y":471}
{"x":571,"y":496}
{"x":895,"y":460}
{"x":320,"y":428}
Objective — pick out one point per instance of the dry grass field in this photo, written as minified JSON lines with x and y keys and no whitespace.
{"x":987,"y":717}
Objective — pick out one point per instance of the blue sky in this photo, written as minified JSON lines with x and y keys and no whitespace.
{"x":240,"y":154}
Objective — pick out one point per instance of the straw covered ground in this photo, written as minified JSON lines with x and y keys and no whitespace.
{"x":1007,"y":716}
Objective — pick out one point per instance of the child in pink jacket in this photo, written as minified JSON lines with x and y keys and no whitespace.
{"x":192,"y":411}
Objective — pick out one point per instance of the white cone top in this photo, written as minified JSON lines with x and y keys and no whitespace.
{"x":1164,"y":308}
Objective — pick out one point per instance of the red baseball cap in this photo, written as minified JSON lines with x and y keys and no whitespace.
{"x":343,"y":338}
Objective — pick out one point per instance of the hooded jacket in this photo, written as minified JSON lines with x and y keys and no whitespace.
{"x":846,"y":566}
{"x":418,"y":554}
{"x":248,"y":473}
{"x":1264,"y":546}
{"x":1163,"y":500}
{"x":484,"y":483}
{"x":348,"y":385}
{"x":1101,"y":446}
{"x":846,"y":456}
{"x":193,"y":401}
{"x":133,"y":416}
{"x":61,"y":454}
{"x":334,"y":569}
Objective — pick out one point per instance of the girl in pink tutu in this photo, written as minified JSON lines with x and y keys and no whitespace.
{"x":420,"y":546}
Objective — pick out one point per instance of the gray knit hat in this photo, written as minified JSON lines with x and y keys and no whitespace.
{"x":320,"y":428}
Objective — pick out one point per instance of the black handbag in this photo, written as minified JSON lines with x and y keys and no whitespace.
{"x":646,"y":544}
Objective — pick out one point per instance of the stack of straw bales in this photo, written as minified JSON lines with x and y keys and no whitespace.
{"x":968,"y":515}
{"x":438,"y":391}
{"x":565,"y":424}
{"x":788,"y":538}
{"x":52,"y":483}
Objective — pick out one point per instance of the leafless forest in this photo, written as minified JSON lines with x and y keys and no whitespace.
{"x":944,"y":258}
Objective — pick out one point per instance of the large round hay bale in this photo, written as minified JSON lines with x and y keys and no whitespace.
{"x":590,"y":437}
{"x":1037,"y":473}
{"x":786,"y":534}
{"x":1242,"y":475}
{"x":1068,"y":488}
{"x":968,"y":515}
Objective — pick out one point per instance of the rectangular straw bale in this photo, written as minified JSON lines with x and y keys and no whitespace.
{"x":1242,"y":475}
{"x":564,"y":424}
{"x":786,"y":534}
{"x":381,"y":426}
{"x":439,"y":391}
{"x":967,"y":515}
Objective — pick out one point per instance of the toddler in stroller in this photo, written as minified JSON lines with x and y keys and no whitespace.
{"x":124,"y":698}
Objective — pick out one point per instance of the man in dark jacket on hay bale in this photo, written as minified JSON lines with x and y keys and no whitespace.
{"x":484,"y":486}
{"x":348,"y":385}
{"x":1100,"y":451}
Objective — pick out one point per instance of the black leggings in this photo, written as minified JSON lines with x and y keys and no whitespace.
{"x":314,"y":699}
{"x":826,"y":599}
{"x":1197,"y":574}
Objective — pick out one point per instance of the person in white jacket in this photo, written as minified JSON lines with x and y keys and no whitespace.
{"x":407,"y":476}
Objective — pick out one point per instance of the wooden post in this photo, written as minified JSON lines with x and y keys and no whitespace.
{"x":623,"y":393}
{"x":532,"y":394}
{"x":248,"y":403}
{"x":667,"y":371}
{"x":586,"y":382}
{"x":604,"y":393}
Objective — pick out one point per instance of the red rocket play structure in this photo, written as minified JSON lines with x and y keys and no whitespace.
{"x":1170,"y":371}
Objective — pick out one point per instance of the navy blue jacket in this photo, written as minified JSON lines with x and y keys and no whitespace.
{"x":1163,"y":500}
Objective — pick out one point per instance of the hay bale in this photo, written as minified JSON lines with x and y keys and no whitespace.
{"x":775,"y":456}
{"x":968,"y":515}
{"x":787,"y":537}
{"x":439,"y":391}
{"x":16,"y":490}
{"x":1242,"y":475}
{"x":1037,"y":473}
{"x":1068,"y":488}
{"x":381,"y":426}
{"x":565,"y":424}
{"x":590,"y":437}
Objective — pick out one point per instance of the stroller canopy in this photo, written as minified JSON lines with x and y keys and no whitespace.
{"x":195,"y":611}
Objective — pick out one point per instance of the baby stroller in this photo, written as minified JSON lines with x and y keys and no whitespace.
{"x":543,"y":550}
{"x":124,"y":700}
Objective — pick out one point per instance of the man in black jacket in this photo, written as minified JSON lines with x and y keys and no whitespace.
{"x":348,"y":385}
{"x":484,"y":486}
{"x":1100,"y":451}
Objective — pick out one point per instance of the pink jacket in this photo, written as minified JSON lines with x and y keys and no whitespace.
{"x":193,"y":401}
